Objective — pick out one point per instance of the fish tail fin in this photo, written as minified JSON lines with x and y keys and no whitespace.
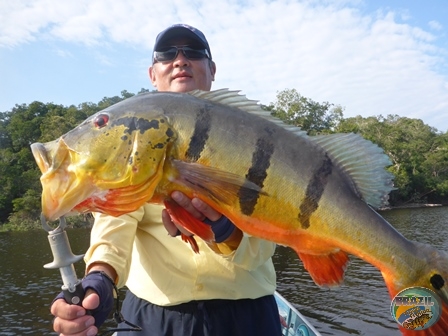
{"x":327,"y":270}
{"x":182,"y":217}
{"x":435,"y":279}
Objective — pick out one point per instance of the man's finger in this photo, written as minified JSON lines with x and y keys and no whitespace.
{"x":185,"y":203}
{"x":168,"y":223}
{"x":91,"y":300}
{"x":60,"y":308}
{"x":173,"y":228}
{"x":205,"y":209}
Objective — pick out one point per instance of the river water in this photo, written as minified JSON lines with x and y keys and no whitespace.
{"x":359,"y":307}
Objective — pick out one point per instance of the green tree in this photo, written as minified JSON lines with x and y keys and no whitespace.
{"x":9,"y":176}
{"x":417,"y":152}
{"x":435,"y":166}
{"x":143,"y":90}
{"x":20,"y":187}
{"x":24,"y":124}
{"x":108,"y":101}
{"x":311,"y":116}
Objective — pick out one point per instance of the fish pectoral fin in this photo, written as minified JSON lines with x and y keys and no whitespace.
{"x":182,"y":217}
{"x":214,"y":183}
{"x":327,"y":270}
{"x":191,"y":241}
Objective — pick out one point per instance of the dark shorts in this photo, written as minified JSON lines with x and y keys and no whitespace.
{"x":245,"y":317}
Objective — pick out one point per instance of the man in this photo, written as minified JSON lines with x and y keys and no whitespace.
{"x":225,"y":290}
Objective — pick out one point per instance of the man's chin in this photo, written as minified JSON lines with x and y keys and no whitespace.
{"x":183,"y":85}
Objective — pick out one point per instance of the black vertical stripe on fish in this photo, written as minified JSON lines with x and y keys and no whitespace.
{"x":256,"y":174}
{"x":200,"y":134}
{"x":314,"y":192}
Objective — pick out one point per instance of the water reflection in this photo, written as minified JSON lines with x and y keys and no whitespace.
{"x":28,"y":287}
{"x":359,"y":307}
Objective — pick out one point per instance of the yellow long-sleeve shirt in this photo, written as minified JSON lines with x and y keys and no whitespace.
{"x":165,"y":271}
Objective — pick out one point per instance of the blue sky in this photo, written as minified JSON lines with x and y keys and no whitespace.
{"x":372,"y":57}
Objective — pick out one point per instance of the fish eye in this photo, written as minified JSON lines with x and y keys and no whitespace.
{"x":101,"y":120}
{"x":437,"y":281}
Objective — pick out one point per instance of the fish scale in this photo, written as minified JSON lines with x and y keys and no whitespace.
{"x":313,"y":194}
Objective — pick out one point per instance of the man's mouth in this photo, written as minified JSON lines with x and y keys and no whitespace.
{"x":182,"y":75}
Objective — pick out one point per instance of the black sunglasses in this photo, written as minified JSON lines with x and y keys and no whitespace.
{"x":170,"y":53}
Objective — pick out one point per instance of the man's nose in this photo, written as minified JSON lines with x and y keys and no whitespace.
{"x":181,"y":60}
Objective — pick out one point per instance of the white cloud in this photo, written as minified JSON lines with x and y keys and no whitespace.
{"x":63,"y":53}
{"x":334,"y":51}
{"x":435,"y":25}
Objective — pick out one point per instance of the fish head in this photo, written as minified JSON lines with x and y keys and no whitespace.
{"x":111,"y":163}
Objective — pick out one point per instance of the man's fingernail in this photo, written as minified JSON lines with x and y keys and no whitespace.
{"x":176,"y":196}
{"x":81,"y":313}
{"x":91,"y":332}
{"x":90,"y":322}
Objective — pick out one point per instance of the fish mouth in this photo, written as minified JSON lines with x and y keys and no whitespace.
{"x":40,"y":155}
{"x":62,"y":187}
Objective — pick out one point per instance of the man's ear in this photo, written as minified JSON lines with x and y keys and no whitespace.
{"x":152,"y":76}
{"x":212,"y":69}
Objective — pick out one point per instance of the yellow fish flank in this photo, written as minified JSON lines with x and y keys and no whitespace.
{"x":313,"y":194}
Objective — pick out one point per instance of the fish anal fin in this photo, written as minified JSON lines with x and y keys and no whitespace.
{"x":185,"y":219}
{"x":326,"y":270}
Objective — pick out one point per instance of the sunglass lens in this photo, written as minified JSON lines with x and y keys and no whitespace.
{"x":166,"y":55}
{"x":193,"y":53}
{"x":171,"y":53}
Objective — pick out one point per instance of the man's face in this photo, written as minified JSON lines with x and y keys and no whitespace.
{"x":182,"y":74}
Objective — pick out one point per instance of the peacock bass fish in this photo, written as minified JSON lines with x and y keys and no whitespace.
{"x":313,"y":194}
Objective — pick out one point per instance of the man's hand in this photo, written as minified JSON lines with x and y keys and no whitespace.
{"x":72,"y":319}
{"x":195,"y":206}
{"x":222,"y":227}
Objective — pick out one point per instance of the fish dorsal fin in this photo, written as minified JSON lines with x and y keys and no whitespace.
{"x":230,"y":98}
{"x":360,"y":159}
{"x":233,"y":99}
{"x":364,"y":162}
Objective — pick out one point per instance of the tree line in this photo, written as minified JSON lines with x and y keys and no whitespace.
{"x":419,"y":153}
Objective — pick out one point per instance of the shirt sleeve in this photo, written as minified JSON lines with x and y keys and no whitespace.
{"x":111,"y":241}
{"x":252,"y":252}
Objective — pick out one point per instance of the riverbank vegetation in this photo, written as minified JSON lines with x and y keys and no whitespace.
{"x":419,"y":153}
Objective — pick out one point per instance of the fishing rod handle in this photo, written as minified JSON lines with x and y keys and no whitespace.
{"x":74,"y":295}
